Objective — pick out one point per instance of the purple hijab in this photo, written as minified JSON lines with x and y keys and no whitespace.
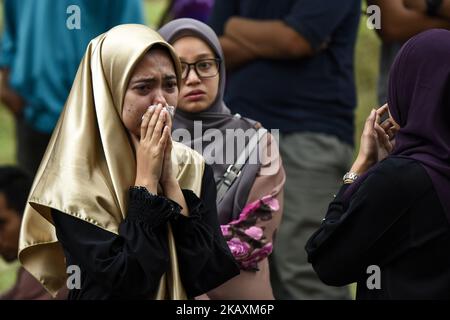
{"x":217,"y":116}
{"x":419,"y":101}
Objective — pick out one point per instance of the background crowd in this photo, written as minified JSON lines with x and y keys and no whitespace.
{"x":22,"y":133}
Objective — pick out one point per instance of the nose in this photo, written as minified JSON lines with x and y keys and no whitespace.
{"x":192,"y":76}
{"x":159,"y":98}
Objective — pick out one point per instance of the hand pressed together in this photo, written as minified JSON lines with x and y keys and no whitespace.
{"x":151,"y":146}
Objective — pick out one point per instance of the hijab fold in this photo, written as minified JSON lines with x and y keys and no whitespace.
{"x":419,"y":101}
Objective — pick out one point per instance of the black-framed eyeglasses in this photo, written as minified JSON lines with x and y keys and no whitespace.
{"x":205,"y":68}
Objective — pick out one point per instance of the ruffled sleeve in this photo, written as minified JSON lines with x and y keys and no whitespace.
{"x":127,"y":265}
{"x":130,"y":265}
{"x":204,"y":257}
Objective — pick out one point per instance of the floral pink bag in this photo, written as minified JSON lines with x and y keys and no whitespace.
{"x":245,"y":238}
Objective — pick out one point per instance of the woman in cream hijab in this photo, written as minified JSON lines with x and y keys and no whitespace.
{"x":114,"y":197}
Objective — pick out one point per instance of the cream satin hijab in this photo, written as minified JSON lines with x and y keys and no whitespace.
{"x":90,"y":163}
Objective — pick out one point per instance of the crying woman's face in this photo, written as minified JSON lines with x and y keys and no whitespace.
{"x":152,"y":82}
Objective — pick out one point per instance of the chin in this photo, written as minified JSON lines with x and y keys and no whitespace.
{"x":194,"y":107}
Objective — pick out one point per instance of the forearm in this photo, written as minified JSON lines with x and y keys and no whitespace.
{"x":202,"y":251}
{"x":8,"y":96}
{"x":443,"y":11}
{"x":173,"y":191}
{"x":271,"y":39}
{"x":399,"y":23}
{"x":336,"y":262}
{"x":138,"y":252}
{"x":404,"y":29}
{"x":236,"y":55}
{"x":355,"y":231}
{"x":11,"y":100}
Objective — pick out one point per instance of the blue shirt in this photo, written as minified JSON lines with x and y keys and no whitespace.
{"x":314,"y":94}
{"x":43,"y":54}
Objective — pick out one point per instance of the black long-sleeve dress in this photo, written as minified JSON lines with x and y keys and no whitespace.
{"x":129,"y":265}
{"x":394,"y":221}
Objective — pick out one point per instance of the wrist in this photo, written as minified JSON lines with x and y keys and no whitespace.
{"x":350,"y":177}
{"x":360,"y":166}
{"x":151,"y":186}
{"x":169,"y":183}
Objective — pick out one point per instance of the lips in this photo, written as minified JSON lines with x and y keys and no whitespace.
{"x":195,"y":94}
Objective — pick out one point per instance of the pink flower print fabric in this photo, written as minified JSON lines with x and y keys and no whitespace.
{"x":246,"y":238}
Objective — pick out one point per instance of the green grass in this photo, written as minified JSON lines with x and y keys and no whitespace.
{"x":366,"y":71}
{"x":153,"y":10}
{"x":7,"y":274}
{"x":7,"y":143}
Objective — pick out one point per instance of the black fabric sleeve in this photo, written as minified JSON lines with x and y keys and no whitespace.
{"x":128,"y":265}
{"x":204,"y":257}
{"x":367,"y":231}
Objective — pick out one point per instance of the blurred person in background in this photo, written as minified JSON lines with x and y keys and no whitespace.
{"x":291,"y":67}
{"x":15,"y":185}
{"x":41,"y":47}
{"x":401,"y":20}
{"x":250,"y":195}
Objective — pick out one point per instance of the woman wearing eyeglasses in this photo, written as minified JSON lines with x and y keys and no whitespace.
{"x":249,"y":187}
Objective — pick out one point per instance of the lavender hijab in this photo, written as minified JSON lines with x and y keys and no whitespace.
{"x":217,"y":116}
{"x":419,"y":101}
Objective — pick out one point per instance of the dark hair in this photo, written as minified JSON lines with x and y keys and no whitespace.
{"x":158,"y":46}
{"x":15,"y":184}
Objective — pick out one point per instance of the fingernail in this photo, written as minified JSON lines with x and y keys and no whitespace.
{"x":151,"y":108}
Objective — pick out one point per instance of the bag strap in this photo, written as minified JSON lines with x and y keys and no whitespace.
{"x":234,"y":170}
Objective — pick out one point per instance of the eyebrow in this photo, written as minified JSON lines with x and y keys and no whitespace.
{"x":166,"y":77}
{"x":202,"y":56}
